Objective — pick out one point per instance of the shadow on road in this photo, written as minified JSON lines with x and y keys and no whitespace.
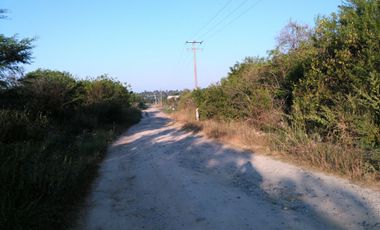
{"x":289,"y":201}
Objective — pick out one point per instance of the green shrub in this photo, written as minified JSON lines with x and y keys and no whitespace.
{"x":343,"y":84}
{"x":321,"y":85}
{"x":18,"y":126}
{"x":52,"y":136}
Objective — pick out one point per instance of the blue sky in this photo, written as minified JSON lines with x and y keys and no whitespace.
{"x":142,"y":42}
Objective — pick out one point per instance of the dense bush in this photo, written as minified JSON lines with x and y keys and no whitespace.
{"x":54,"y":129}
{"x":343,"y":84}
{"x":244,"y":94}
{"x":321,"y":85}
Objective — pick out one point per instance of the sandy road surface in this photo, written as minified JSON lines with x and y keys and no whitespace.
{"x":159,"y":177}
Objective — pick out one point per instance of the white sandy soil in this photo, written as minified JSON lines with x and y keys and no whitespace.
{"x":157,"y":176}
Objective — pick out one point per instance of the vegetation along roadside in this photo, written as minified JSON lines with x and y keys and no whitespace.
{"x":54,"y":129}
{"x":315,"y":99}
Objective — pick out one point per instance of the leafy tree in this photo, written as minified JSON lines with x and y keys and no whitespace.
{"x":13,"y":53}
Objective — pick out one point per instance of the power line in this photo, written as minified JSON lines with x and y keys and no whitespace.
{"x":183,"y":61}
{"x":224,"y":18}
{"x":214,"y":30}
{"x":233,"y":20}
{"x":213,"y":18}
{"x":181,"y":56}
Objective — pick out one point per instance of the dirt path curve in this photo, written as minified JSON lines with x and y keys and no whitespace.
{"x":159,"y":177}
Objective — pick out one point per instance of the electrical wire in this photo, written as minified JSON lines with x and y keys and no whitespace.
{"x":181,"y":56}
{"x":233,"y":20}
{"x":213,"y":18}
{"x":224,"y":18}
{"x":182,"y":61}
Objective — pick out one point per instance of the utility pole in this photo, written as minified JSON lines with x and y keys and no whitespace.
{"x":195,"y":49}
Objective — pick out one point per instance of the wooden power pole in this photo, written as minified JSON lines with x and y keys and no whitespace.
{"x":195,"y":49}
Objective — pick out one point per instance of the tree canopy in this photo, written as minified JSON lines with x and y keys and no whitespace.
{"x":13,"y":53}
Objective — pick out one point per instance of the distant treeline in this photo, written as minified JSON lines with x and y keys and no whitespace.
{"x":54,"y":130}
{"x":317,"y":94}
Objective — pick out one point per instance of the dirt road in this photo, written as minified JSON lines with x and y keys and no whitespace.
{"x":157,"y":176}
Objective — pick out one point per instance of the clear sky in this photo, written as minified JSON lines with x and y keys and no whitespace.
{"x":143,"y":42}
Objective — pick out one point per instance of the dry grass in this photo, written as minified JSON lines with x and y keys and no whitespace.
{"x":344,"y":160}
{"x":239,"y":134}
{"x":288,"y":144}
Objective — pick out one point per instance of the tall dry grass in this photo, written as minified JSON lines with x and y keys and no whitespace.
{"x":334,"y":157}
{"x":285,"y":143}
{"x":237,"y":133}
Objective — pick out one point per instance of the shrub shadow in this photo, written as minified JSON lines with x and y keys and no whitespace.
{"x":286,"y":201}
